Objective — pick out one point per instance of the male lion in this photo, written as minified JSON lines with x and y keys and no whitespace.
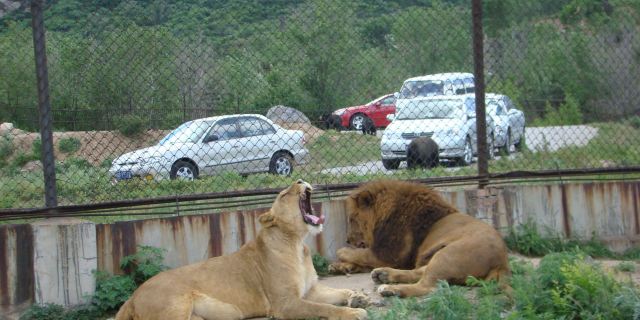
{"x":272,"y":275}
{"x":401,"y":225}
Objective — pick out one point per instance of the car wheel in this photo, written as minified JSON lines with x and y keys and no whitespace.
{"x":391,"y":164}
{"x":357,"y":120}
{"x":520,"y":144}
{"x":506,"y":149}
{"x":183,"y":170}
{"x":281,"y":164}
{"x":467,"y":156}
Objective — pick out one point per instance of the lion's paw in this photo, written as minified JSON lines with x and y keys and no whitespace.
{"x":344,"y":254}
{"x":358,"y":314}
{"x":380,"y":275}
{"x":387,"y":291}
{"x":358,"y":300}
{"x":339,"y":268}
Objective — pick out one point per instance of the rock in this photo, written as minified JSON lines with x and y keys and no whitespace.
{"x":32,"y":166}
{"x":283,"y":114}
{"x":5,"y":128}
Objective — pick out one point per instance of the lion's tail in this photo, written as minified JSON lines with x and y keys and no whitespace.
{"x":502,"y":276}
{"x":126,"y":311}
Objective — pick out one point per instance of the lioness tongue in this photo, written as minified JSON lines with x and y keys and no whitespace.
{"x":313,"y":219}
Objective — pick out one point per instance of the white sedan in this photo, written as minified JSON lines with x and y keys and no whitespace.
{"x":508,"y":120}
{"x":449,"y":120}
{"x":242,"y":143}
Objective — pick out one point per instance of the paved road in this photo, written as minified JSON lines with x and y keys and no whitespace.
{"x":537,"y":139}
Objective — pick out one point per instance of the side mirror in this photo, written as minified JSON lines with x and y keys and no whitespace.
{"x":213,"y":137}
{"x":391,"y":116}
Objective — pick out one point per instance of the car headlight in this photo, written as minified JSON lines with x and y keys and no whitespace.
{"x":339,"y":112}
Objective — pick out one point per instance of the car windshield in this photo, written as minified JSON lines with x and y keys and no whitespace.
{"x":424,"y":88}
{"x":374,"y":100}
{"x":187,"y":132}
{"x":431,"y":109}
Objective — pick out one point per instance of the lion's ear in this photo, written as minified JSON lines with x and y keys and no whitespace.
{"x":267,"y":219}
{"x":364,"y":199}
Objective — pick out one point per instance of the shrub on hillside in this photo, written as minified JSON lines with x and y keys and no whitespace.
{"x":131,"y":125}
{"x":69,"y":145}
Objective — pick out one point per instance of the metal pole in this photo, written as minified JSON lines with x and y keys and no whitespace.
{"x":44,"y":106}
{"x":478,"y":72}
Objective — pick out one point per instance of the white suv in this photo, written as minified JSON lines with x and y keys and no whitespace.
{"x":418,"y":88}
{"x":449,"y":120}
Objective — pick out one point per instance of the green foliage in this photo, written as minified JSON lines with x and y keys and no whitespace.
{"x":112,"y":291}
{"x":36,"y":148}
{"x":526,"y":239}
{"x":6,"y":149}
{"x":570,"y":286}
{"x":567,"y":114}
{"x":321,"y":264}
{"x":144,"y":264}
{"x":130,"y":125}
{"x":634,"y":122}
{"x":577,"y":10}
{"x":52,"y":311}
{"x":47,"y":311}
{"x":626,"y":266}
{"x":69,"y":145}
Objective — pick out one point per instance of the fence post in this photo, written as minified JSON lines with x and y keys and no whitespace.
{"x":478,"y":73}
{"x":44,"y":106}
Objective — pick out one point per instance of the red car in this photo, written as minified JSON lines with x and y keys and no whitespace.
{"x":376,"y":110}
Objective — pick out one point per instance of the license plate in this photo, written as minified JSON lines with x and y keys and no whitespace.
{"x":123,"y":175}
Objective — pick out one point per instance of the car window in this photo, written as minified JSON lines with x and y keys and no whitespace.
{"x":188,"y":132}
{"x":412,"y":89}
{"x":267,"y":128}
{"x":469,"y":85}
{"x":470,"y":106}
{"x":250,"y":127}
{"x":432,"y":109}
{"x":225,"y":129}
{"x":388,"y":100}
{"x":508,"y":104}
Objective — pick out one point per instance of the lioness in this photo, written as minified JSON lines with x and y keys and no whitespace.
{"x":272,"y":275}
{"x":401,"y":225}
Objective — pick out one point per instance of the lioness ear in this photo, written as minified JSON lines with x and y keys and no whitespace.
{"x":364,"y":199}
{"x":267,"y":219}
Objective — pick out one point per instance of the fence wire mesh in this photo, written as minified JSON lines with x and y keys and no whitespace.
{"x":162,"y":98}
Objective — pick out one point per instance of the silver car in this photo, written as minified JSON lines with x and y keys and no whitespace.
{"x":509,"y":122}
{"x":241,"y":143}
{"x":449,"y":120}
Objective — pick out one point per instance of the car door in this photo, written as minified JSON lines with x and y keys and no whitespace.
{"x":516,"y":119}
{"x":218,"y":146}
{"x":496,"y":110}
{"x":385,"y":106}
{"x":257,"y":145}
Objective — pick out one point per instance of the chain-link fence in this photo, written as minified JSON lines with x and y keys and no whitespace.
{"x":246,"y":95}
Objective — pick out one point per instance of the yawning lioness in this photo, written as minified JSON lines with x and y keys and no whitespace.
{"x":272,"y":275}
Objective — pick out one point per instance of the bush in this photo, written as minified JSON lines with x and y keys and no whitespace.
{"x":321,"y":264}
{"x":69,"y":145}
{"x":131,"y":125}
{"x":47,"y":311}
{"x":112,"y":291}
{"x":144,"y":264}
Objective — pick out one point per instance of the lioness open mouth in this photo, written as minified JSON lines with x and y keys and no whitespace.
{"x":307,"y":211}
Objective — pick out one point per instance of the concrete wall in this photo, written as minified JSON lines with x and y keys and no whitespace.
{"x":51,"y":261}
